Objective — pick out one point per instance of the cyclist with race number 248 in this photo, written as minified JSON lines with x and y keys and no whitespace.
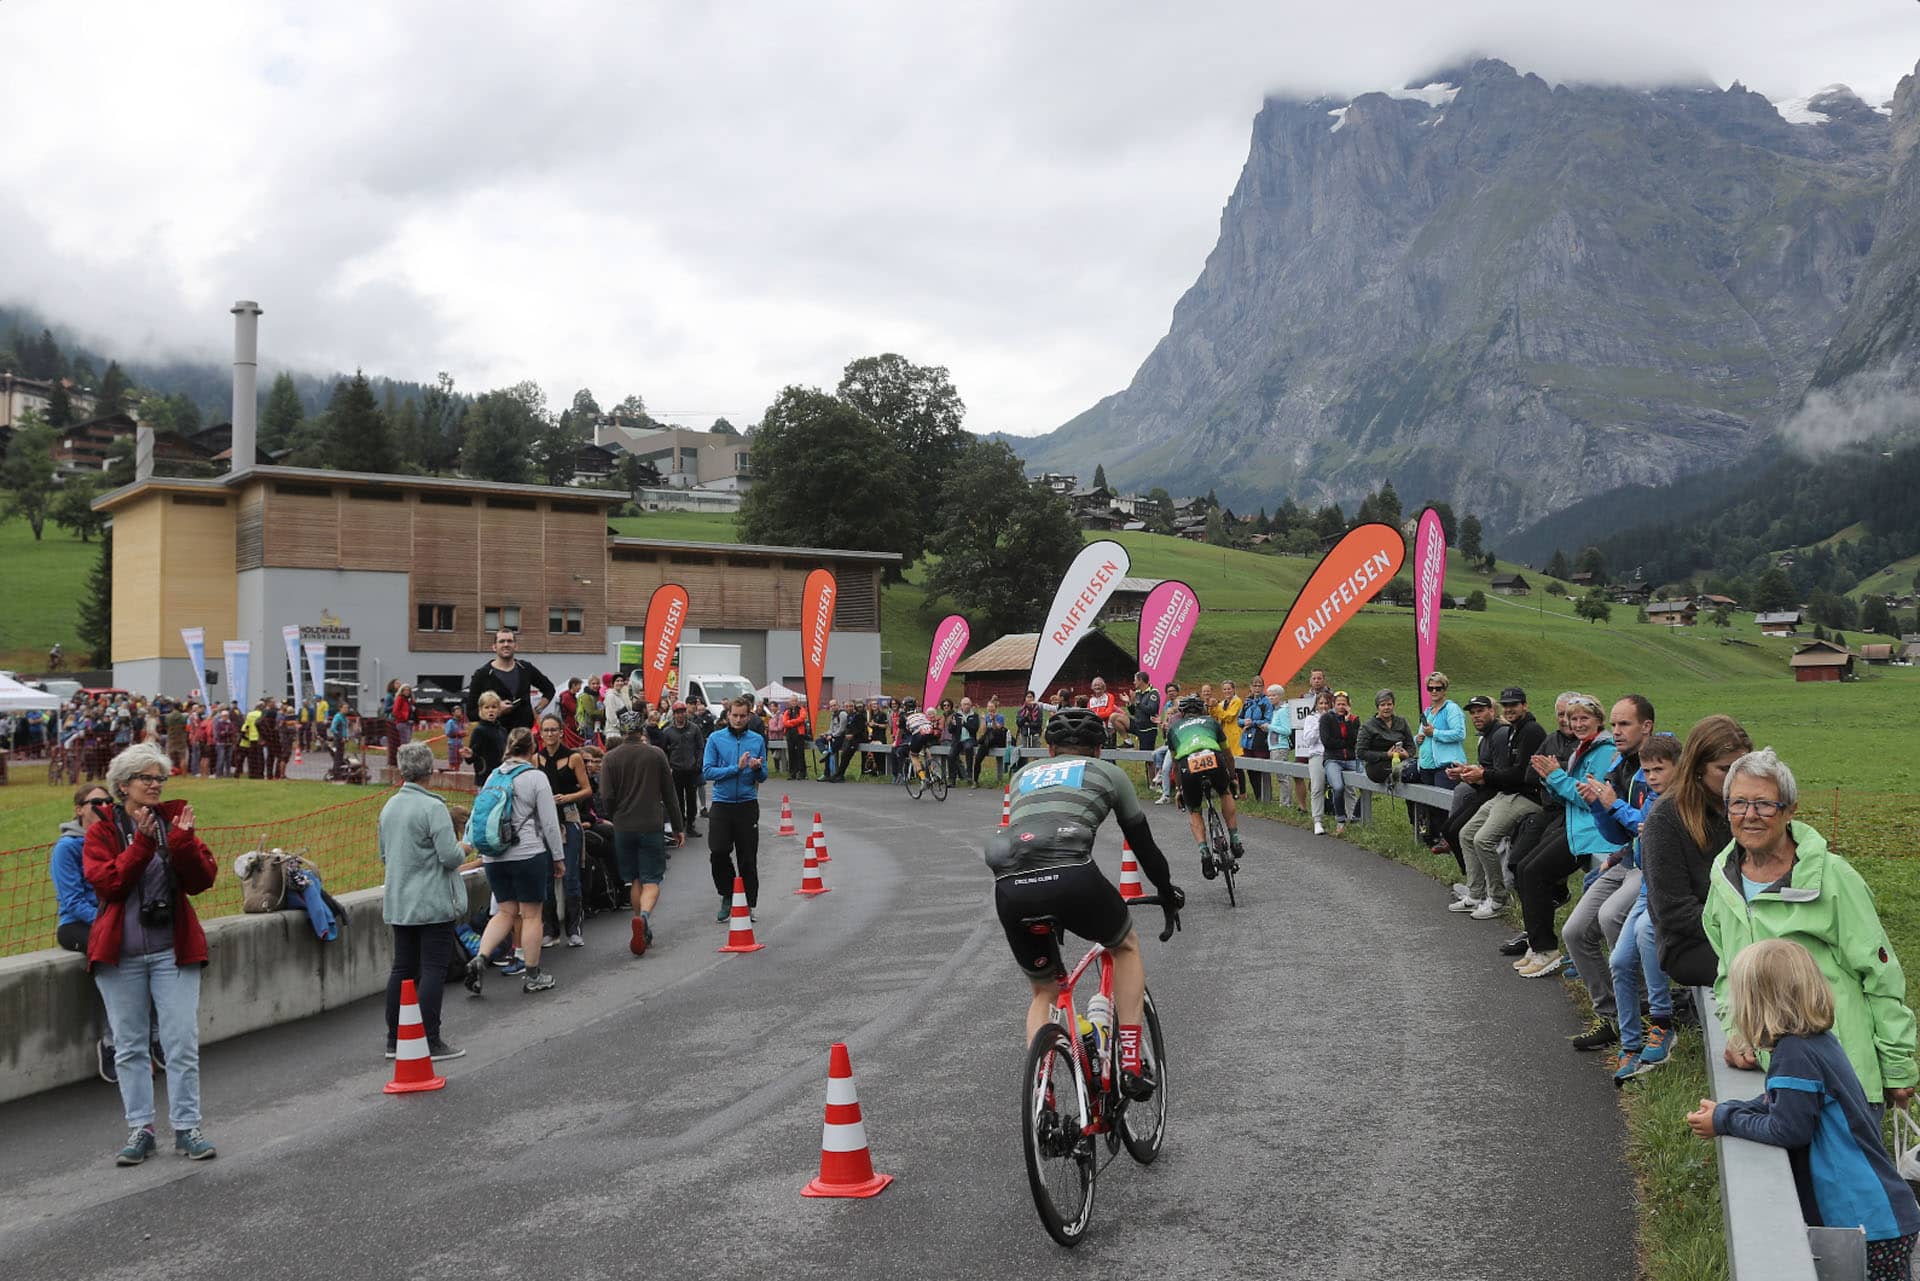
{"x":1200,"y":753}
{"x":1043,"y":867}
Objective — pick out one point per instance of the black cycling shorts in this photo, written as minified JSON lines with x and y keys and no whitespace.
{"x":1079,"y":898}
{"x":1190,"y":783}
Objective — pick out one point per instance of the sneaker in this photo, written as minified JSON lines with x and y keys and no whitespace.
{"x":549,"y":940}
{"x":193,"y":1145}
{"x":726,"y":910}
{"x":1319,"y":829}
{"x":1515,"y":946}
{"x":514,"y":968}
{"x":1626,"y":1068}
{"x":441,"y":1050}
{"x":642,"y":936}
{"x":140,"y":1146}
{"x":108,"y":1069}
{"x":476,"y":967}
{"x":538,"y":982}
{"x":1526,"y":959}
{"x":393,"y":1050}
{"x":1464,"y":905}
{"x":1460,"y":890}
{"x":576,"y":939}
{"x":1659,"y":1046}
{"x":1490,"y":909}
{"x":1543,"y":966}
{"x":1207,"y":869}
{"x":1339,"y":829}
{"x":1598,"y":1037}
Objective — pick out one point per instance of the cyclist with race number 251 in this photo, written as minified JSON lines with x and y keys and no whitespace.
{"x":1043,"y":867}
{"x":1194,"y":738}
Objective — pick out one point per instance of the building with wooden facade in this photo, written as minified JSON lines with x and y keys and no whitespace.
{"x":408,"y":577}
{"x":1821,"y":661}
{"x":1002,"y":668}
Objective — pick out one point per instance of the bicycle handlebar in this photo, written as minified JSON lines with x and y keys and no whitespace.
{"x":1154,"y":900}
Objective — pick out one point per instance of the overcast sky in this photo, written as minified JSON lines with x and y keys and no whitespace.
{"x":703,"y":203}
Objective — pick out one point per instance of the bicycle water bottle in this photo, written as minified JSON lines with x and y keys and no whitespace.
{"x":1100,"y":1014}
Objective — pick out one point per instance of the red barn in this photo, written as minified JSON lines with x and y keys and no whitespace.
{"x":1821,"y":661}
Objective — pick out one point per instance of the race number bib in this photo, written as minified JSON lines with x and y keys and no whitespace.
{"x":1051,"y":774}
{"x":1200,"y":762}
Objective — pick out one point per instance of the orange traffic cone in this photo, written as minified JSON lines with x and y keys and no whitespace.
{"x":1006,"y":805}
{"x":810,"y":882}
{"x":1131,"y":885}
{"x":740,"y":924}
{"x":786,"y":818}
{"x":412,"y":1061}
{"x":846,"y":1167}
{"x":819,"y":840}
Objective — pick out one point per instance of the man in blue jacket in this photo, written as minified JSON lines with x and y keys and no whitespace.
{"x":735,"y":763}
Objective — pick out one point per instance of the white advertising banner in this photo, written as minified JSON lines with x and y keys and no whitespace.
{"x":1088,"y":582}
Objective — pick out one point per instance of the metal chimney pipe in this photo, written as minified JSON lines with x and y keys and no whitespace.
{"x":246,"y":384}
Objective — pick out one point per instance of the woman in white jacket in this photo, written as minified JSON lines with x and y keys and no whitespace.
{"x":1306,"y":742}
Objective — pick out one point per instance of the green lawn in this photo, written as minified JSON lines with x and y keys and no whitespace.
{"x":693,"y":527}
{"x":44,"y":581}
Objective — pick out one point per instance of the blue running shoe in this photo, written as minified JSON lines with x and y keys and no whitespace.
{"x":1629,"y":1062}
{"x":515,"y":966}
{"x":1659,"y":1046}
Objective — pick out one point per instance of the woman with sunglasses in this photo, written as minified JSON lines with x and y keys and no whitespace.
{"x":77,"y":902}
{"x":1440,"y":741}
{"x":566,"y":773}
{"x":146,"y":948}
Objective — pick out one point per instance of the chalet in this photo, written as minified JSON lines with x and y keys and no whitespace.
{"x":1785,"y":560}
{"x":1128,"y":598}
{"x":1711,"y":600}
{"x":1879,"y":655}
{"x":1821,"y":661}
{"x":1672,"y":613}
{"x":85,"y":447}
{"x":1631,"y":594}
{"x":1260,"y":540}
{"x":1002,"y":667}
{"x":1133,"y":504}
{"x":1783,"y":622}
{"x":1193,"y":528}
{"x":1511,"y":585}
{"x":1585,"y":578}
{"x":1909,"y":651}
{"x":1096,"y":519}
{"x":1057,"y":482}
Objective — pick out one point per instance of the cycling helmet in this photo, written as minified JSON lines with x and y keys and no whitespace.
{"x":1075,"y":727}
{"x":907,"y":705}
{"x":1192,"y":705}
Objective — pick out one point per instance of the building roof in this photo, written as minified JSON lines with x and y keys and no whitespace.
{"x":1499,"y":579}
{"x":1820,"y":654}
{"x":1131,"y":584}
{"x":1671,"y":606}
{"x":1881,"y":652}
{"x":378,"y":480}
{"x":680,"y":545}
{"x":1786,"y":616}
{"x":1015,"y":653}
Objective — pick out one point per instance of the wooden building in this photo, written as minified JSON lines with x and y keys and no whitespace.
{"x":1002,"y":668}
{"x":1821,"y":661}
{"x":1510,"y":585}
{"x":1784,"y":622}
{"x":1672,"y":613}
{"x":1877,"y":655}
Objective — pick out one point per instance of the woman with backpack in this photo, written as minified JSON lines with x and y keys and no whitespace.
{"x":515,"y":829}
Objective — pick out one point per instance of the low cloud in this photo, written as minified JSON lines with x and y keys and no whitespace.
{"x":1868,"y":406}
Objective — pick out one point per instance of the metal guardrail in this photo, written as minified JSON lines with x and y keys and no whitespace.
{"x":1767,"y":1237}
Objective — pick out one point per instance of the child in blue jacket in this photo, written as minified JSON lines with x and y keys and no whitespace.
{"x":1814,"y":1106}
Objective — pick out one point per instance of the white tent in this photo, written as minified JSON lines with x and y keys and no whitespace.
{"x":780,"y":693}
{"x":15,"y":697}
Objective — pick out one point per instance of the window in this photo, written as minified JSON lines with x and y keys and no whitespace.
{"x":497,"y":616}
{"x":434,"y":618}
{"x":564,"y":622}
{"x":437,"y":499}
{"x":342,"y":671}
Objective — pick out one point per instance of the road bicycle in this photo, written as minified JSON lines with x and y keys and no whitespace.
{"x":1200,"y":765}
{"x":923,"y":776}
{"x":1070,"y":1099}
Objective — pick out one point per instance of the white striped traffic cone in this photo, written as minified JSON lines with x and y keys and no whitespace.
{"x":1006,"y":805}
{"x":846,"y":1166}
{"x":810,"y":882}
{"x":786,"y":818}
{"x":412,"y":1060}
{"x":740,"y":923}
{"x":1131,"y":886}
{"x":819,"y":840}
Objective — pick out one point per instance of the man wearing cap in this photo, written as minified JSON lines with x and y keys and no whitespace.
{"x":1511,"y":802}
{"x":1471,"y":789}
{"x":685,"y":744}
{"x":636,"y":787}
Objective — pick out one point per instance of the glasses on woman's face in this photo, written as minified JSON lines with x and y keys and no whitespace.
{"x":151,"y":780}
{"x":1759,"y":809}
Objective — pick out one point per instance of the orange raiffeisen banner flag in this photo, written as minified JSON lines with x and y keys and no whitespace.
{"x":666,"y":614}
{"x":816,"y":625}
{"x":1348,"y":577}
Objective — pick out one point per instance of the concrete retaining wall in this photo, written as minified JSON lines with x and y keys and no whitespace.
{"x":262,"y":970}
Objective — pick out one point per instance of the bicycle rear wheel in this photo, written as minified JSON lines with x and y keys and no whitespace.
{"x":937,"y":778}
{"x":1144,"y":1125}
{"x":916,"y":781}
{"x":1061,"y":1164}
{"x":1222,"y":848}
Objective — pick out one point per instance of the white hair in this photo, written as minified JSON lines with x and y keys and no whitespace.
{"x":134,"y":760}
{"x":1275,"y":691}
{"x":1764,"y":764}
{"x":415,"y":761}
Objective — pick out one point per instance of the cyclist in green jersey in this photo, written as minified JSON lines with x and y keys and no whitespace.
{"x":1043,"y":866}
{"x":1200,"y":756}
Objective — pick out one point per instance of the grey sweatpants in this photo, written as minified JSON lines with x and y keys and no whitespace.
{"x":1480,"y":843}
{"x":1593,"y":927}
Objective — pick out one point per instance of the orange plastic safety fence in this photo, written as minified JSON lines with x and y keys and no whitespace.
{"x":343,"y":841}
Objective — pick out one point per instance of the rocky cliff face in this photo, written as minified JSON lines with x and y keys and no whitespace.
{"x":1502,"y":292}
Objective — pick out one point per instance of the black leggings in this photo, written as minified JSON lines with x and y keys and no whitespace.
{"x":420,"y":953}
{"x":733,"y":844}
{"x":1539,"y":872}
{"x":686,"y":786}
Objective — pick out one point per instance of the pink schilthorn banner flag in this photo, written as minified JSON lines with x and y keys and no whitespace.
{"x":949,"y":643}
{"x":1166,"y":624}
{"x":1429,"y":578}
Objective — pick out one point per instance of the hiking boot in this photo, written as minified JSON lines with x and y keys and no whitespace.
{"x":193,"y":1145}
{"x":140,"y":1146}
{"x":441,"y":1050}
{"x":539,"y":982}
{"x":1543,"y":966}
{"x":1659,"y":1046}
{"x":1598,"y":1037}
{"x":476,"y":967}
{"x":108,"y":1069}
{"x":1515,"y":946}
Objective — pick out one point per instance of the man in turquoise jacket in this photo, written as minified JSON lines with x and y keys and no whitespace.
{"x":736,"y":764}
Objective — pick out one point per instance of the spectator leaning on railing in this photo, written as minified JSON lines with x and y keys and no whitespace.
{"x":1778,"y":879}
{"x":423,"y":895}
{"x":1678,"y":843}
{"x":146,"y":948}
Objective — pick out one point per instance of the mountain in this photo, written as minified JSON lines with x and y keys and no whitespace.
{"x":1505,"y":293}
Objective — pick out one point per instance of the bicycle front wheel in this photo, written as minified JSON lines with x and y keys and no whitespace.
{"x":1060,"y":1158}
{"x":1144,"y":1125}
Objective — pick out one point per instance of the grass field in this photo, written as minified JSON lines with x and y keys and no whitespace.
{"x":693,"y":527}
{"x":43,"y":583}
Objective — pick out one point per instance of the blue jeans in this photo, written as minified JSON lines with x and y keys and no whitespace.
{"x":1337,"y":787}
{"x":1635,"y":958}
{"x":222,"y":759}
{"x":127,"y":988}
{"x":1162,"y":769}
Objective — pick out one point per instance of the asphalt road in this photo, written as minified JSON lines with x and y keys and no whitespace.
{"x":1362,"y":1089}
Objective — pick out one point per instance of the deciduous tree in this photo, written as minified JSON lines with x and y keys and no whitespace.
{"x":818,"y":461}
{"x":1004,"y":544}
{"x":26,"y":476}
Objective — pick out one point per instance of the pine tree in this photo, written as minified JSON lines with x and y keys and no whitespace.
{"x":1557,"y":567}
{"x":59,"y":406}
{"x":112,"y":396}
{"x":96,"y":605}
{"x":283,"y":414}
{"x":1099,"y":476}
{"x":1386,"y":506}
{"x":360,"y":438}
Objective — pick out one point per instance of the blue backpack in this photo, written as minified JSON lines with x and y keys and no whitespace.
{"x":490,"y":828}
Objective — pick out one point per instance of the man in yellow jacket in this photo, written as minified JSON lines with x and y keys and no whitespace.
{"x":250,"y":743}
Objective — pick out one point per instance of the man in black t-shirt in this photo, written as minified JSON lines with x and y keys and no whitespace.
{"x":514,"y":681}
